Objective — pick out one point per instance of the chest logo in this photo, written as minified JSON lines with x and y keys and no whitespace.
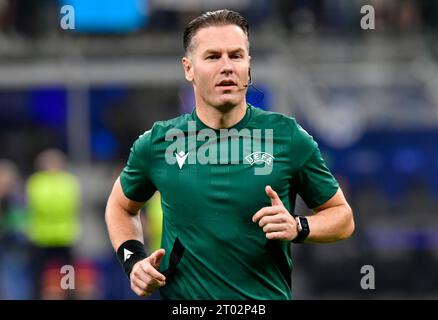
{"x":181,"y":158}
{"x":259,"y":157}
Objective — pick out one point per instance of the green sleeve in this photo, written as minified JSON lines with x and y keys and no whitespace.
{"x":314,"y":181}
{"x":135,"y":177}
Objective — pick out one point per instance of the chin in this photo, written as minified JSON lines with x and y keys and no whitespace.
{"x":227,"y":103}
{"x":225,"y":106}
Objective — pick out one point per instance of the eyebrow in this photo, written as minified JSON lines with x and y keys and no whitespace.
{"x":215,"y":51}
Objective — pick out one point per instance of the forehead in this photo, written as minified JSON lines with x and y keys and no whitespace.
{"x":220,"y":37}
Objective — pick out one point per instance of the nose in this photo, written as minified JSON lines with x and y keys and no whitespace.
{"x":227,"y":67}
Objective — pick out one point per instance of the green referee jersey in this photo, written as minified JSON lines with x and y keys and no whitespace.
{"x":212,"y":182}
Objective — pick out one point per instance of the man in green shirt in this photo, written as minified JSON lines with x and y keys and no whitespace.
{"x":228,"y":174}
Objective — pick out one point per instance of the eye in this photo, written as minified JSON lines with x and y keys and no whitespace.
{"x":212,"y":57}
{"x":236,"y":56}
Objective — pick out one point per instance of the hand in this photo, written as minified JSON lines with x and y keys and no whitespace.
{"x":145,"y":278}
{"x":276,"y":221}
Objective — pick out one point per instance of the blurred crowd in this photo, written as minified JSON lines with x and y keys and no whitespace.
{"x":39,"y":18}
{"x":39,"y":231}
{"x":38,"y":227}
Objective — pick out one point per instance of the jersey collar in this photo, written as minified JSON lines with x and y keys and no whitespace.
{"x":240,"y":125}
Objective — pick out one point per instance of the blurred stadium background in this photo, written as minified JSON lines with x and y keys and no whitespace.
{"x":369,"y":97}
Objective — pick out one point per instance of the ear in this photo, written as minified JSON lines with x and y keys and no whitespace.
{"x":249,"y":67}
{"x":188,"y":68}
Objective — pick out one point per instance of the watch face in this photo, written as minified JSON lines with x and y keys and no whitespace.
{"x":304,"y":224}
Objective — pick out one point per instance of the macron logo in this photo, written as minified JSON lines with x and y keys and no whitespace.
{"x":127,"y":254}
{"x":181,"y":158}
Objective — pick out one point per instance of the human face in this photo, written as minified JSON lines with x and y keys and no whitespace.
{"x":218,"y":66}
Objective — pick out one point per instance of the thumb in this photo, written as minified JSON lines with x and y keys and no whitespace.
{"x":275,"y":199}
{"x":156,"y":257}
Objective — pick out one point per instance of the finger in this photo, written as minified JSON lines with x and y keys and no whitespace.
{"x":155,"y":284}
{"x":144,"y":286}
{"x":147,"y":283}
{"x":274,"y":227}
{"x":156,"y":257}
{"x":278,"y":218}
{"x":140,"y":292}
{"x":140,"y":273}
{"x":152,"y":272}
{"x":278,"y":235}
{"x":148,"y":286}
{"x":139,"y":283}
{"x":275,"y":199}
{"x":266,"y":211}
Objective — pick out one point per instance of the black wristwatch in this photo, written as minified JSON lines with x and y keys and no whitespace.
{"x":303,"y":229}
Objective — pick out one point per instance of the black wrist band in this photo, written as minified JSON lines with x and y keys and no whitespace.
{"x":129,"y":253}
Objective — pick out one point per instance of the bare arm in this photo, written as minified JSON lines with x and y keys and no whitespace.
{"x":333,"y":220}
{"x":122,"y":217}
{"x":123,"y":223}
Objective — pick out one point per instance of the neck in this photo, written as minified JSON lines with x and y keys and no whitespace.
{"x":221,"y":117}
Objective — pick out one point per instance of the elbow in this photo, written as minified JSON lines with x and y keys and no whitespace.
{"x":108,"y":211}
{"x":349,"y":225}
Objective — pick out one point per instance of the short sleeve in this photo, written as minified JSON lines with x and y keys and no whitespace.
{"x":314,"y":181}
{"x":316,"y":184}
{"x":135,"y":177}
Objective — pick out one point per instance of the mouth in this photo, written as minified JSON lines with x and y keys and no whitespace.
{"x":226,"y":84}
